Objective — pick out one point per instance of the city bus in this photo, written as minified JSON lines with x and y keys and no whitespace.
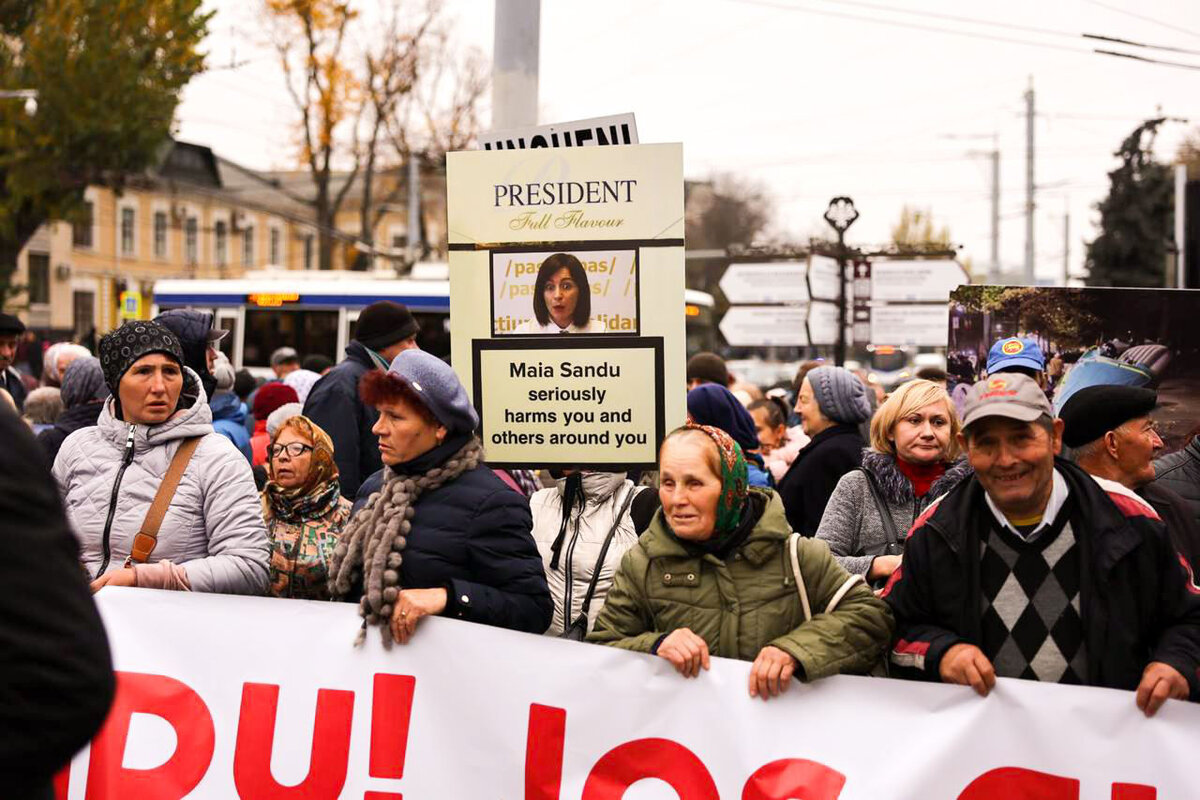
{"x":316,"y":312}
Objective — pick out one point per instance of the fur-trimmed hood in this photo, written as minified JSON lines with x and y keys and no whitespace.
{"x":897,"y":489}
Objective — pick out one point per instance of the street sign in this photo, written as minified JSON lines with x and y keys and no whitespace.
{"x":764,"y":326}
{"x":914,"y":324}
{"x":617,"y":129}
{"x":823,"y":278}
{"x":131,"y":305}
{"x":771,"y":282}
{"x":822,"y":323}
{"x":911,"y":280}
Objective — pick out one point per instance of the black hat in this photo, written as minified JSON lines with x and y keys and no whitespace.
{"x":10,"y":325}
{"x":384,"y":323}
{"x":1094,"y":411}
{"x":709,"y":368}
{"x":120,"y":348}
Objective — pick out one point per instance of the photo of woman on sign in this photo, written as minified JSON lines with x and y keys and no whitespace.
{"x":562,"y":299}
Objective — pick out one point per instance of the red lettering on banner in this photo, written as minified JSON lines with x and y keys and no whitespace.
{"x":1133,"y":791}
{"x":796,"y":778}
{"x":256,"y":739}
{"x":62,"y":782}
{"x":391,"y":713}
{"x":1015,"y":783}
{"x":544,"y":752}
{"x":183,"y":709}
{"x":669,"y":761}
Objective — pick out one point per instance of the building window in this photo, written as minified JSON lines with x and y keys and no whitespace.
{"x":248,"y":247}
{"x":399,"y":241}
{"x":160,"y":234}
{"x":81,"y":231}
{"x":127,"y":220}
{"x":222,"y":236}
{"x":190,"y":233}
{"x":39,"y":278}
{"x":276,"y":256}
{"x":308,"y":251}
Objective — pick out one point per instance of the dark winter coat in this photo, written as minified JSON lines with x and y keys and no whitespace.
{"x":808,"y":484}
{"x":71,"y":420}
{"x":852,"y":524}
{"x":1180,"y":472}
{"x":56,"y":682}
{"x":10,"y":381}
{"x":1138,"y":598}
{"x":334,"y":405}
{"x":473,"y":536}
{"x":1177,"y":515}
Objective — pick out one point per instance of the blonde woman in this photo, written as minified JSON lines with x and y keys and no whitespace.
{"x":910,"y":463}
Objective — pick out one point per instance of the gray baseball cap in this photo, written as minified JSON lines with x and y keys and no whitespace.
{"x":1008,"y":394}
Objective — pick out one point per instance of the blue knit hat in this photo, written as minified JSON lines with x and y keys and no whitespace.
{"x":840,"y":395}
{"x":438,"y":387}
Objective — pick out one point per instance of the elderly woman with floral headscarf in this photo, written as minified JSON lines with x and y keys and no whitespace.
{"x":303,"y":508}
{"x":715,"y":575}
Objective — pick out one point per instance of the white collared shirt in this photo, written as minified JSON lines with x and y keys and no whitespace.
{"x":1058,"y":496}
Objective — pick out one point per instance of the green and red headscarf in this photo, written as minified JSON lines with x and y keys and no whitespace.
{"x":735,"y":483}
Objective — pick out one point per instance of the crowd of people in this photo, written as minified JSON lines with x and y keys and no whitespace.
{"x":812,"y":530}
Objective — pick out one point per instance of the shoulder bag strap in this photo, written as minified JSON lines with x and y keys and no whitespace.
{"x":889,"y":524}
{"x":847,"y":585}
{"x":147,"y":537}
{"x":591,"y":590}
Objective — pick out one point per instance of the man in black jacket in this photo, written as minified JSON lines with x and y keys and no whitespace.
{"x":1180,"y":472}
{"x":11,"y":329}
{"x":56,"y":678}
{"x":384,"y":330}
{"x":1030,"y":569}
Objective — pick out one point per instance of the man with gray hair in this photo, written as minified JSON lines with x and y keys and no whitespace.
{"x":1113,"y":437}
{"x":1031,"y":569}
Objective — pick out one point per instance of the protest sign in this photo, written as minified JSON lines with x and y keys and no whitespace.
{"x":617,"y":129}
{"x":268,"y":699}
{"x":569,"y":256}
{"x":1134,"y":337}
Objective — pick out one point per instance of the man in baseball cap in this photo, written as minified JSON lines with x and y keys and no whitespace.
{"x":1020,"y":355}
{"x":1050,"y":563}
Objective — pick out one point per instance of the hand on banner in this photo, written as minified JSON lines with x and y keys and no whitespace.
{"x":771,"y":673}
{"x":686,"y":651}
{"x":1159,"y":682}
{"x":411,"y":605}
{"x":118,"y":577}
{"x":965,"y":664}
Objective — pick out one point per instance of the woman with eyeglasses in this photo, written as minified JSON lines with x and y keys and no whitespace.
{"x":303,"y":508}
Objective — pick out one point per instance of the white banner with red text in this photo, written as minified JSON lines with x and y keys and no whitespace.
{"x":230,"y":697}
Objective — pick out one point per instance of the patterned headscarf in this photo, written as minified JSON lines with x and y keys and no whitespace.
{"x":319,"y":488}
{"x":735,"y":483}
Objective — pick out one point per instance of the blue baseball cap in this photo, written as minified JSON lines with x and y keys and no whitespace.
{"x":1015,"y":351}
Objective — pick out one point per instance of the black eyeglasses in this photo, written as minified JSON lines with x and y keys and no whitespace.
{"x":294,"y":449}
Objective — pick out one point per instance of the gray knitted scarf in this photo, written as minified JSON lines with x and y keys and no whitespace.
{"x":370,"y":546}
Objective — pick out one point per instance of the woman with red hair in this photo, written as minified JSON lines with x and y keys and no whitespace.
{"x":435,"y":532}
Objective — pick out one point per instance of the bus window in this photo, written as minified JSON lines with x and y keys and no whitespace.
{"x":434,"y":336}
{"x":309,"y":332}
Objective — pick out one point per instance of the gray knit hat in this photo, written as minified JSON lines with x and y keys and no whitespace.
{"x":840,"y":395}
{"x":83,"y":382}
{"x":438,"y":387}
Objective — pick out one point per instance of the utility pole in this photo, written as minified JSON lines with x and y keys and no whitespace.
{"x":1066,"y":241}
{"x":515,"y":64}
{"x":415,"y":244}
{"x":1029,"y":185}
{"x":994,"y":267}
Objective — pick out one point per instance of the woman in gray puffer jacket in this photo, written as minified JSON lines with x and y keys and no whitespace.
{"x":911,"y":462}
{"x":212,"y":538}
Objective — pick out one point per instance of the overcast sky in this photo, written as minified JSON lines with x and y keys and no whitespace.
{"x":815,"y":98}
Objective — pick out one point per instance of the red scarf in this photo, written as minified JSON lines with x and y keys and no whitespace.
{"x":921,"y":476}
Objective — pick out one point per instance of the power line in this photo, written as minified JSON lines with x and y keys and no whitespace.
{"x":1132,"y":57}
{"x":954,"y":18}
{"x":909,"y":25}
{"x":1143,"y":17}
{"x":1131,"y":43}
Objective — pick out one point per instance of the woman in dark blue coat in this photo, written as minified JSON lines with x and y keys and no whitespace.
{"x":436,"y":532}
